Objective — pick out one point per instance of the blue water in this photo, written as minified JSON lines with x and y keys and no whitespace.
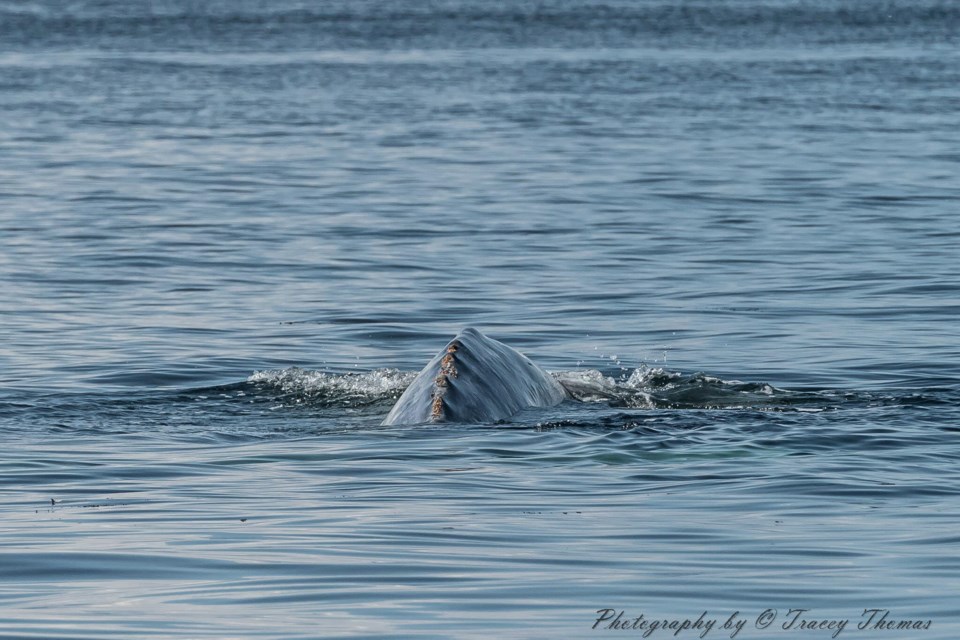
{"x":232,"y":232}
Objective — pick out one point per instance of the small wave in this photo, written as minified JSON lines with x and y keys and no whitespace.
{"x":658,"y":388}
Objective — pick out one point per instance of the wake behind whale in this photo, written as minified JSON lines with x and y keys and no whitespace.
{"x":475,"y":379}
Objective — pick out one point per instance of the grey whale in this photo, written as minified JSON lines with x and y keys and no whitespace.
{"x":475,"y":379}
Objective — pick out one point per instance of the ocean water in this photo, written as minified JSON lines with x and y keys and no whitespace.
{"x":232,"y":232}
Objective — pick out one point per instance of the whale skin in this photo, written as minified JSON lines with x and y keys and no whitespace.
{"x":475,"y":379}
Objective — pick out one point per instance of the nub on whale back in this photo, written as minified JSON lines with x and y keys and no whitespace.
{"x":475,"y":379}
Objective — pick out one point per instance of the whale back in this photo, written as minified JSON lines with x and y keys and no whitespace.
{"x":475,"y":379}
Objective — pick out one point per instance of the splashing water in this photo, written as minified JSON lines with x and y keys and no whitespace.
{"x":640,"y":388}
{"x":334,"y":389}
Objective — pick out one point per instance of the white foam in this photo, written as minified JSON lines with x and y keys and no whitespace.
{"x":368,"y":386}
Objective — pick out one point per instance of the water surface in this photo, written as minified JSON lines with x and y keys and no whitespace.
{"x":230,"y":235}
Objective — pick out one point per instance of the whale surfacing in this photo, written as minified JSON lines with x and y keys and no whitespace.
{"x":475,"y":379}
